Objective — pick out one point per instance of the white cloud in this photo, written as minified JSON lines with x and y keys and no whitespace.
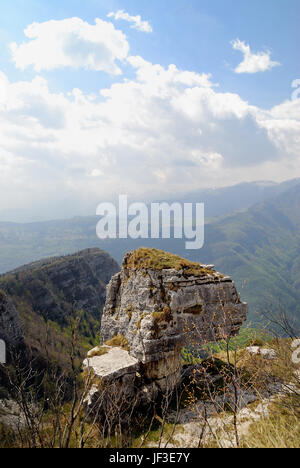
{"x":165,"y":131}
{"x":137,"y":22}
{"x":159,"y":77}
{"x":71,"y":43}
{"x":253,"y":63}
{"x":282,"y":123}
{"x":3,"y":87}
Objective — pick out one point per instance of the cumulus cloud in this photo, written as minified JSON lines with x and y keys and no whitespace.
{"x":164,"y":131}
{"x":137,"y":22}
{"x":160,"y":77}
{"x":71,"y":43}
{"x":253,"y":63}
{"x":282,"y":123}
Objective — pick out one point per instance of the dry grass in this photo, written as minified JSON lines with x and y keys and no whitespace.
{"x":280,"y":429}
{"x":164,"y":315}
{"x":118,"y":341}
{"x":260,"y":369}
{"x":100,"y":351}
{"x":155,"y":259}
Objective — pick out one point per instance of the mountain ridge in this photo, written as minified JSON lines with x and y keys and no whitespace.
{"x":48,"y":296}
{"x":262,"y":247}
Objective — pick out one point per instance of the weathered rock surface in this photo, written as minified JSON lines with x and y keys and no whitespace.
{"x":160,"y":303}
{"x":114,"y":364}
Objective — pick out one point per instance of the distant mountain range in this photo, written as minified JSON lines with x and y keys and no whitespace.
{"x":22,"y":243}
{"x":225,"y":201}
{"x":262,"y":247}
{"x":258,"y":245}
{"x":218,"y":202}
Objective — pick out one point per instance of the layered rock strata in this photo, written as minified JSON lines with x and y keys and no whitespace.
{"x":157,"y":304}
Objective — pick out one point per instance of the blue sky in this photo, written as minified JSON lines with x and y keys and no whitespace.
{"x":221,"y":114}
{"x":193,"y":34}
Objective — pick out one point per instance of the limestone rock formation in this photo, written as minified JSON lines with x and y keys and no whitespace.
{"x":157,"y":304}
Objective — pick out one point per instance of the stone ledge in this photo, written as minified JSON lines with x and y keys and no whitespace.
{"x":116,"y":363}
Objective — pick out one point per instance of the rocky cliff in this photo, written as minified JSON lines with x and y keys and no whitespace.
{"x":157,"y":304}
{"x":47,"y":296}
{"x":55,"y":287}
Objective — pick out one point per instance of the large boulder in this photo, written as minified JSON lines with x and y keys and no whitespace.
{"x":159,"y":303}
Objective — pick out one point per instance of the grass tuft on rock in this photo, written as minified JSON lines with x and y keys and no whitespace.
{"x":155,"y":259}
{"x":164,"y":315}
{"x":100,"y":351}
{"x":118,"y":341}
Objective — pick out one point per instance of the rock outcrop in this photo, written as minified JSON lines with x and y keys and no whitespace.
{"x":157,"y":304}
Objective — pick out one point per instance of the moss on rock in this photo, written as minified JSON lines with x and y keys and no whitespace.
{"x":155,"y":259}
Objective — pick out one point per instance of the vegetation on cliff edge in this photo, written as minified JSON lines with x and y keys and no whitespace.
{"x":155,"y":259}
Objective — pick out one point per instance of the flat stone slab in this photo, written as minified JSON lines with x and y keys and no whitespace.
{"x":114,"y":364}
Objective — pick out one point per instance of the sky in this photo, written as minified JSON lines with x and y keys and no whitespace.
{"x":146,"y":98}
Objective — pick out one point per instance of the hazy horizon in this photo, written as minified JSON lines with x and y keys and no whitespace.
{"x":149,"y":100}
{"x":68,"y":211}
